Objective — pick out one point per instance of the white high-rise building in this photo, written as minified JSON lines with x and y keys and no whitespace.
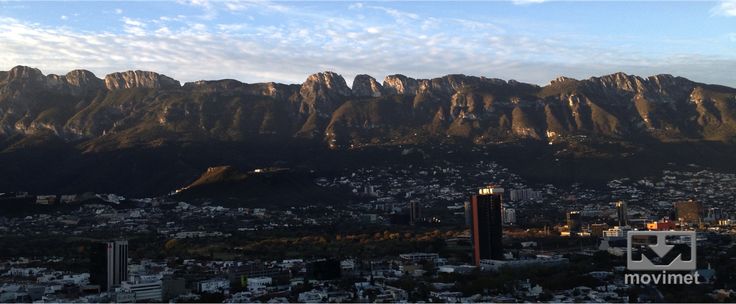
{"x":509,"y":216}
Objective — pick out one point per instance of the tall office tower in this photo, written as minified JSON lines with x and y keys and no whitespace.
{"x":574,"y":222}
{"x":622,"y":214}
{"x":109,"y":262}
{"x":689,"y":211}
{"x":487,"y":230}
{"x":415,"y":212}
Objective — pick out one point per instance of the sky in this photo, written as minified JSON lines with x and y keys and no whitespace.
{"x":532,"y":41}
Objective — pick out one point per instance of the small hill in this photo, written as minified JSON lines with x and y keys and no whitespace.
{"x":271,"y":187}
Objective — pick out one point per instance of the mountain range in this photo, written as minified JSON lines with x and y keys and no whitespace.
{"x":145,"y":108}
{"x":79,"y":114}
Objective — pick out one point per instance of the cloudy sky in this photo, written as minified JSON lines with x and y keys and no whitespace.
{"x":285,"y":41}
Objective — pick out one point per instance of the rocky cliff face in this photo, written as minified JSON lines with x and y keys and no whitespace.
{"x":322,"y":93}
{"x":114,"y":113}
{"x":366,"y":86}
{"x":139,"y":79}
{"x":400,"y":85}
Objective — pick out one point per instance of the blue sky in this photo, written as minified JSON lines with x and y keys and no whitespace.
{"x":285,"y":41}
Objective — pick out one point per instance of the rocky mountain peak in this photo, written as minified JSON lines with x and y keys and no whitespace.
{"x":139,"y":79}
{"x":25,"y":73}
{"x":366,"y":86}
{"x":400,"y":85}
{"x":82,"y":78}
{"x":79,"y":81}
{"x":562,"y":79}
{"x":665,"y":82}
{"x":621,"y":81}
{"x":323,"y":92}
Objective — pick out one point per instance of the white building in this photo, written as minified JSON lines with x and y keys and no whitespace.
{"x":347,"y":265}
{"x":139,"y":291}
{"x":258,"y":285}
{"x":509,"y":216}
{"x":616,"y":232}
{"x":213,"y":285}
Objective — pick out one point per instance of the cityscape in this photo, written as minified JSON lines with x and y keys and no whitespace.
{"x":363,"y":151}
{"x":409,"y":236}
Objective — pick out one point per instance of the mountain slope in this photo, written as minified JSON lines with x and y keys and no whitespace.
{"x":266,"y":187}
{"x":144,"y":132}
{"x":138,"y":108}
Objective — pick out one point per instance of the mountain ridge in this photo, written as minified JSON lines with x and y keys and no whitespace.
{"x":133,"y":108}
{"x":144,"y":133}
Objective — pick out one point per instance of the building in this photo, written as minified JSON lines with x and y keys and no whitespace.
{"x":46,"y":199}
{"x":524,"y":195}
{"x":509,"y":216}
{"x":538,"y":261}
{"x":418,"y":257}
{"x":713,"y":215}
{"x":468,"y":214}
{"x":68,"y":198}
{"x":622,"y":214}
{"x":415,"y":212}
{"x":487,"y":230}
{"x":689,"y":211}
{"x":258,"y":285}
{"x":597,"y":229}
{"x":172,"y":287}
{"x":661,"y":226}
{"x":214,"y":285}
{"x":574,"y":223}
{"x":616,"y":232}
{"x":109,"y":262}
{"x":140,"y":291}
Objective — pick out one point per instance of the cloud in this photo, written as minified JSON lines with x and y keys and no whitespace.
{"x":64,"y":17}
{"x":232,"y":27}
{"x":725,"y":8}
{"x":303,"y":42}
{"x":118,"y":11}
{"x":373,"y":30}
{"x":133,"y":26}
{"x":398,"y":15}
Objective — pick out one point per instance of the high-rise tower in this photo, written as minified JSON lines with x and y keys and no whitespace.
{"x":109,"y":261}
{"x":487,"y":230}
{"x":622,"y":214}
